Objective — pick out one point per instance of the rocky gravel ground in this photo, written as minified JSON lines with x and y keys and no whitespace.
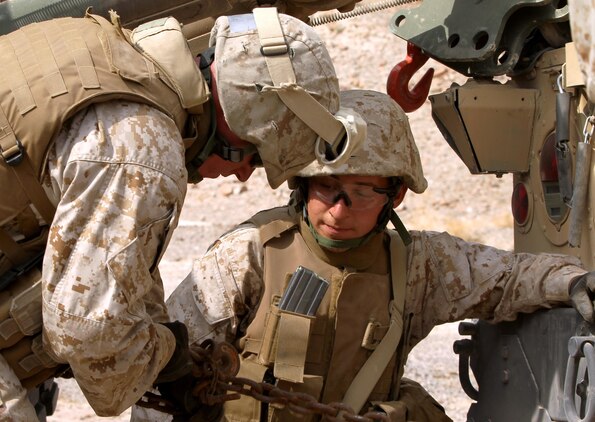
{"x":473,"y":207}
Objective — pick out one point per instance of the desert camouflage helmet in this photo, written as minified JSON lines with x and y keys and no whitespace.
{"x":389,"y":149}
{"x":260,"y":104}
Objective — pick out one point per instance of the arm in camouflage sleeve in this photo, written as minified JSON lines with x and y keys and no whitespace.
{"x":451,"y":280}
{"x":118,"y":169}
{"x":222,"y":292}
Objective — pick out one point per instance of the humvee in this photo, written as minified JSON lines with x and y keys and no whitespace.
{"x":523,"y":110}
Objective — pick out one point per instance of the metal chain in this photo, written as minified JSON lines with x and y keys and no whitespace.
{"x":297,"y":402}
{"x":215,"y":368}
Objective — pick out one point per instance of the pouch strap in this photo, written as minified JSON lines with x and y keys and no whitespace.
{"x":292,"y":346}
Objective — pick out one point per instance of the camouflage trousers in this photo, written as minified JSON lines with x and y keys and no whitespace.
{"x":16,"y":406}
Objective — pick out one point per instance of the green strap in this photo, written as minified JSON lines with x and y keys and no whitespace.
{"x":362,"y":385}
{"x":400,"y":227}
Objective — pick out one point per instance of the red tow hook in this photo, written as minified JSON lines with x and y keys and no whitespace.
{"x":397,"y":83}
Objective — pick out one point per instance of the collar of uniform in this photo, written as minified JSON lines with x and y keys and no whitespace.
{"x":360,"y":258}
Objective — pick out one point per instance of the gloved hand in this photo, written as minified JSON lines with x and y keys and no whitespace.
{"x":180,"y":363}
{"x":191,"y":409}
{"x":582,"y":293}
{"x":176,"y":383}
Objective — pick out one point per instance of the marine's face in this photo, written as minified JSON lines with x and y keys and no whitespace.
{"x":337,"y":220}
{"x":215,"y":165}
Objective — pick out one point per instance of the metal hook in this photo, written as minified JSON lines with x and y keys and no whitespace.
{"x":397,"y":83}
{"x":559,"y":80}
{"x":588,"y":129}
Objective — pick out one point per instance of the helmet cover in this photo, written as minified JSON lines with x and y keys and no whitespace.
{"x":284,"y":142}
{"x":389,"y":149}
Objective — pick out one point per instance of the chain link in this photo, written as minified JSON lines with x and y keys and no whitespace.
{"x":215,"y":370}
{"x":297,"y":402}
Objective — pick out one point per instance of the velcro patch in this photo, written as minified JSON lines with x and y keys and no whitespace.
{"x":241,"y":23}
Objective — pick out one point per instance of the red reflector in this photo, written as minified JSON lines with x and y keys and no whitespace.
{"x":520,"y":203}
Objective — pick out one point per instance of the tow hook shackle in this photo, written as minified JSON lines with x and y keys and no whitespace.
{"x":397,"y":83}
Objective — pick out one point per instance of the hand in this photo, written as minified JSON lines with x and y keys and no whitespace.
{"x":180,"y":363}
{"x":187,"y":406}
{"x":177,"y":383}
{"x":582,"y":293}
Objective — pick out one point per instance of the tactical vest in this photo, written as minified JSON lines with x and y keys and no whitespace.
{"x":351,"y":320}
{"x":48,"y":72}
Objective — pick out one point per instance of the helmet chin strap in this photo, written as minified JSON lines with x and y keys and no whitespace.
{"x":385,"y":215}
{"x":298,"y":199}
{"x":400,"y":228}
{"x":325,"y":242}
{"x":194,"y":164}
{"x":204,"y":64}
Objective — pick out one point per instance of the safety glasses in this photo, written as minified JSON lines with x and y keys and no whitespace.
{"x":356,"y":196}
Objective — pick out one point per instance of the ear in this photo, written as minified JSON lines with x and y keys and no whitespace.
{"x":400,"y":196}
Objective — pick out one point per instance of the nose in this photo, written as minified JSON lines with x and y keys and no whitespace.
{"x":244,"y":172}
{"x":339,"y":209}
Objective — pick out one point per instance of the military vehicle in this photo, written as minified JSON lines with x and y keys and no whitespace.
{"x":523,"y":111}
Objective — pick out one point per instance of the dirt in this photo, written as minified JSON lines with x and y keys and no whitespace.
{"x":473,"y":207}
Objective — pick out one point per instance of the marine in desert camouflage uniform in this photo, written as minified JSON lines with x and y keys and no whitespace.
{"x":339,"y":231}
{"x":116,"y":170}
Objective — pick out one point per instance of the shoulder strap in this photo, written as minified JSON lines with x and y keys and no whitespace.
{"x":368,"y":375}
{"x":271,"y":223}
{"x":14,"y":157}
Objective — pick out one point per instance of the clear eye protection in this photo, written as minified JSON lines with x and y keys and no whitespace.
{"x":356,"y":196}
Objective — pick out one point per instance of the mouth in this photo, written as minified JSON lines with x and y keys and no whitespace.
{"x":335,"y":231}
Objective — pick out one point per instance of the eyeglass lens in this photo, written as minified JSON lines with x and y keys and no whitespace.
{"x":356,"y":196}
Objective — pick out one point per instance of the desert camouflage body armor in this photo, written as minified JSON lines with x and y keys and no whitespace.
{"x":351,"y":320}
{"x":49,"y":71}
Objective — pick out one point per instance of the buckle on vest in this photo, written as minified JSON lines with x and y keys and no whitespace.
{"x":11,"y":156}
{"x":373,"y":335}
